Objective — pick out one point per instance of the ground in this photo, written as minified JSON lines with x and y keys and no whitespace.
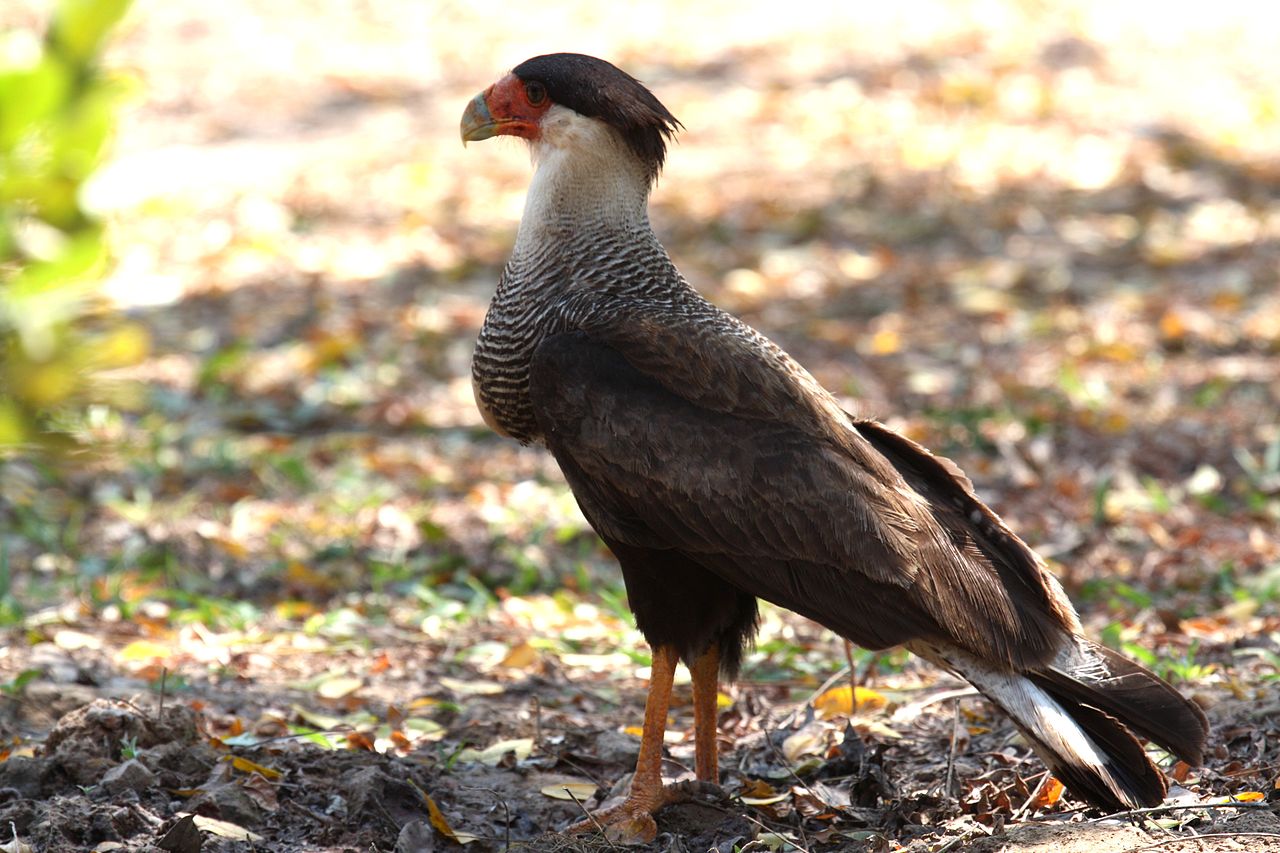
{"x":293,"y":596}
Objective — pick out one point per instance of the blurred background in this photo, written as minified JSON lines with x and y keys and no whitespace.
{"x":1041,"y":237}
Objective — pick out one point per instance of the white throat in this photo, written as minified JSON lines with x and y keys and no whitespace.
{"x":585,"y":176}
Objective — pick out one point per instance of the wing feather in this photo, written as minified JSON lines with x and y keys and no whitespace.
{"x":849,"y":524}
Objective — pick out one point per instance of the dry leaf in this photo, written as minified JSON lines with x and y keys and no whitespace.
{"x":472,"y":688}
{"x":244,"y":765}
{"x":493,"y":755}
{"x":144,"y":650}
{"x":1049,"y":794}
{"x":807,"y":741}
{"x":76,"y":640}
{"x":358,"y":740}
{"x":843,"y":700}
{"x":570,"y":790}
{"x":522,"y":656}
{"x":757,"y":788}
{"x":438,"y":820}
{"x":225,"y":829}
{"x":338,"y":687}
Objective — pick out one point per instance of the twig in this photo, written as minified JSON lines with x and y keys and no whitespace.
{"x":537,"y":723}
{"x":506,"y":810}
{"x":164,"y":680}
{"x":907,"y":713}
{"x":591,"y":818}
{"x":803,"y":784}
{"x":968,"y":834}
{"x":951,"y":753}
{"x":1182,"y":807}
{"x":822,"y":688}
{"x":1044,"y":780}
{"x":853,"y":676}
{"x":1189,"y":838}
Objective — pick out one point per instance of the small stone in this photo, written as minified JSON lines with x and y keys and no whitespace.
{"x":132,"y":775}
{"x":228,"y":802}
{"x":416,"y":837}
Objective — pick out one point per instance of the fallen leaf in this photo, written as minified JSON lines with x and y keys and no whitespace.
{"x":338,"y":687}
{"x":76,"y":640}
{"x":844,"y":700}
{"x":420,"y":728}
{"x":442,"y":825}
{"x":757,"y":788}
{"x":492,"y":755}
{"x":570,"y":790}
{"x":522,"y":656}
{"x":226,"y":829}
{"x":1049,"y":794}
{"x":357,"y":740}
{"x":472,"y":688}
{"x":182,"y":837}
{"x":807,"y":741}
{"x":147,"y":650}
{"x":244,"y":765}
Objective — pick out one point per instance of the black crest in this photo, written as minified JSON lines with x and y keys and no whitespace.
{"x":601,"y":90}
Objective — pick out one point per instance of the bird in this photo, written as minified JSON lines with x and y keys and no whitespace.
{"x":720,"y":472}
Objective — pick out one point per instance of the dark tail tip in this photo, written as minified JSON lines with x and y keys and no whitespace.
{"x":1127,"y":781}
{"x":1137,"y":697}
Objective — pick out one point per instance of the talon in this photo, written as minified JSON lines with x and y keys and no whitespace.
{"x":631,"y":822}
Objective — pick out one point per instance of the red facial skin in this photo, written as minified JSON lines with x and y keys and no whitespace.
{"x":509,"y":104}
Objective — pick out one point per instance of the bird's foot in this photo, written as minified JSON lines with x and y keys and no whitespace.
{"x":631,"y":821}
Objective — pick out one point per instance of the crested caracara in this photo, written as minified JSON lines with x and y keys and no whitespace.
{"x":719,"y":471}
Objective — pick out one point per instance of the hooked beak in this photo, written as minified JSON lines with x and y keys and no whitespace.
{"x":477,"y":122}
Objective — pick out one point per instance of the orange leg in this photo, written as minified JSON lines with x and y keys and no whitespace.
{"x":633,"y":819}
{"x":706,"y":689}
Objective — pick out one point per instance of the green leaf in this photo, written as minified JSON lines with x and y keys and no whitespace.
{"x":80,"y":26}
{"x":31,"y":97}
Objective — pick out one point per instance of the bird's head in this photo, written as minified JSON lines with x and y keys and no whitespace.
{"x":562,"y":100}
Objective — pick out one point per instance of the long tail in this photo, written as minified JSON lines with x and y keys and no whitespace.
{"x":1078,"y":715}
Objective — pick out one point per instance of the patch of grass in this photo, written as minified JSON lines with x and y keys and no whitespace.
{"x":15,"y":686}
{"x":1180,"y":669}
{"x":1116,"y":594}
{"x":215,"y":613}
{"x":1262,"y":476}
{"x":972,"y":426}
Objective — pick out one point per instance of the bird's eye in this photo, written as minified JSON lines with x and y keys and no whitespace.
{"x":535,"y":92}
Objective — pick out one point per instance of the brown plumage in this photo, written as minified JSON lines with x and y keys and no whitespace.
{"x":719,"y":471}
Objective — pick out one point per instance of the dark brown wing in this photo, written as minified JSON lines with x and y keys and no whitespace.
{"x":827,"y":525}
